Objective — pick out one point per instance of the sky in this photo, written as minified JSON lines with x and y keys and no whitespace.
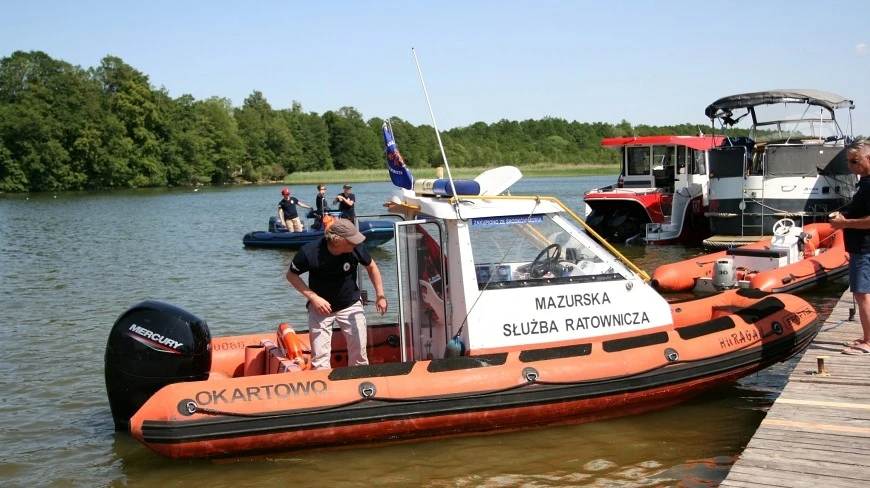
{"x":647,"y":62}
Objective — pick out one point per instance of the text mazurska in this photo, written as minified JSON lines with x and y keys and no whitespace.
{"x":581,"y":323}
{"x":569,"y":301}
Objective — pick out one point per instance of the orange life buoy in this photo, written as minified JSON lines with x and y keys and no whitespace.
{"x":292,"y":345}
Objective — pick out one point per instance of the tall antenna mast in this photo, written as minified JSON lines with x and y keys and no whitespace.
{"x":435,"y":124}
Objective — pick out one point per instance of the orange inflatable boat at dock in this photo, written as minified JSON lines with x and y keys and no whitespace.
{"x":244,"y":395}
{"x":793,"y":259}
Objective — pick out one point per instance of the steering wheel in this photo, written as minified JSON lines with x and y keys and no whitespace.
{"x":545,"y":260}
{"x":782,"y":226}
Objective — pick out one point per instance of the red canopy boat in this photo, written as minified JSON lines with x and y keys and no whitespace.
{"x":661,"y":195}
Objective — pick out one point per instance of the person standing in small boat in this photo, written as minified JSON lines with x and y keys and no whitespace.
{"x":320,"y":206}
{"x":346,"y":200}
{"x":855,"y":222}
{"x":287,"y":213}
{"x":332,"y":292}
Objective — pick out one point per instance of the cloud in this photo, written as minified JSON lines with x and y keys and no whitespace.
{"x":861,"y":49}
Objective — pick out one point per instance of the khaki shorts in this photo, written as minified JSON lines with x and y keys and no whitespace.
{"x":295,"y":225}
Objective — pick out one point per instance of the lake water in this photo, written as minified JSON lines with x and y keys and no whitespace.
{"x":71,"y":263}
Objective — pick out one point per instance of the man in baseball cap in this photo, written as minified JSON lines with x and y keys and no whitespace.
{"x":346,"y":201}
{"x":287,"y":213}
{"x":333,"y":293}
{"x":347,"y":230}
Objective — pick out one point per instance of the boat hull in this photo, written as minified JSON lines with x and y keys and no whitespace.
{"x":387,"y":401}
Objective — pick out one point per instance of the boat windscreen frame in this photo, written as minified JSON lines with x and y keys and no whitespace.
{"x":411,"y":318}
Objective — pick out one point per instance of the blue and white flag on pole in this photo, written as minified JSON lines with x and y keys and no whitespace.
{"x":399,"y":172}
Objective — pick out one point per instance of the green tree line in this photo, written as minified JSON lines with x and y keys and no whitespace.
{"x":63,"y":127}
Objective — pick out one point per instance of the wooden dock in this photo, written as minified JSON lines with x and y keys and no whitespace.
{"x":817,"y":433}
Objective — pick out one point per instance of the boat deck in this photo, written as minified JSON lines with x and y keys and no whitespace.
{"x":817,"y":433}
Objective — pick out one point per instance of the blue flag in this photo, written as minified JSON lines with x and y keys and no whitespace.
{"x":399,"y":172}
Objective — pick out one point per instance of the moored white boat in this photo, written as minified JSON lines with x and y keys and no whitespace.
{"x":791,"y":165}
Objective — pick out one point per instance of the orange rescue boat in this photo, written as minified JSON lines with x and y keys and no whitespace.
{"x":559,"y":327}
{"x":244,"y":395}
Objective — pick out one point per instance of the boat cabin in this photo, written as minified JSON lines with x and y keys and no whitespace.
{"x":503,"y":272}
{"x":661,"y":193}
{"x":664,"y":162}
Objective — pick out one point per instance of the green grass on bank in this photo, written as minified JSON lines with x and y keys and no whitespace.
{"x":380,"y":174}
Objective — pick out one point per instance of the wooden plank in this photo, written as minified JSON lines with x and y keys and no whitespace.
{"x":783,"y":451}
{"x":752,"y":476}
{"x":820,"y":421}
{"x":810,"y":440}
{"x":800,"y":445}
{"x":768,"y":477}
{"x":800,"y":466}
{"x":832,"y":392}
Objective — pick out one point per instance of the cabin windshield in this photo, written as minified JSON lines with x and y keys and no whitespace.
{"x":524,"y":250}
{"x":794,"y":124}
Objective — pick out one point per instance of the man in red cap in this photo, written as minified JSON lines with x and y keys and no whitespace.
{"x":287,"y":213}
{"x":332,"y":292}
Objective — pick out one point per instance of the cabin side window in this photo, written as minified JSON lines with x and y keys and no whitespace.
{"x":681,"y":160}
{"x":698,"y":162}
{"x":638,"y":159}
{"x":663,"y":166}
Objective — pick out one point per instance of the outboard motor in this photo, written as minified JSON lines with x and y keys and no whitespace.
{"x":151,"y":345}
{"x":276,"y":226}
{"x":724,"y":276}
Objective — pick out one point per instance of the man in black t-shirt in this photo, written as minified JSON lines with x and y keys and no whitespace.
{"x":855,"y":222}
{"x":320,"y":206}
{"x":346,"y":201}
{"x":332,"y":292}
{"x":287,"y":213}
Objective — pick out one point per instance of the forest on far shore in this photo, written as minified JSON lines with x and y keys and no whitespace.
{"x":63,"y":127}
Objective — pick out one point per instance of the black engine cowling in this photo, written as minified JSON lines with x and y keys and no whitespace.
{"x":151,"y":345}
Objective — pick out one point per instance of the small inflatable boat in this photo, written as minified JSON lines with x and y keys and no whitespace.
{"x":377,"y":232}
{"x":540,"y":323}
{"x":793,"y":259}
